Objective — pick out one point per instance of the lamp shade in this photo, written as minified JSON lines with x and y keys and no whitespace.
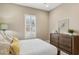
{"x":3,"y":26}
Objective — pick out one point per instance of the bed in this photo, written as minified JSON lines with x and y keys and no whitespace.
{"x":27,"y":47}
{"x":36,"y":47}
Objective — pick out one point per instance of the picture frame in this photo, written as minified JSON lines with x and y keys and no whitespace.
{"x":63,"y":25}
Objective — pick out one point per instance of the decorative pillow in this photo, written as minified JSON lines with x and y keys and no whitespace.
{"x":2,"y":39}
{"x":11,"y":38}
{"x":8,"y":35}
{"x":14,"y":48}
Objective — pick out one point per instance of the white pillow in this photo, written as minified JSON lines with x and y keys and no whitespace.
{"x":7,"y":35}
{"x":10,"y":35}
{"x":2,"y":39}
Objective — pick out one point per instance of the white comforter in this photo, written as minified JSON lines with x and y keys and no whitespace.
{"x":36,"y":47}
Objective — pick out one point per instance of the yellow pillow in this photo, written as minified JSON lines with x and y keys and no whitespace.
{"x":14,"y":48}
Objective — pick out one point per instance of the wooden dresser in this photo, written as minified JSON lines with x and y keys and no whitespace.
{"x":67,"y":43}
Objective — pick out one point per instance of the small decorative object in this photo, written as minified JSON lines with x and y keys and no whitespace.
{"x":71,"y":31}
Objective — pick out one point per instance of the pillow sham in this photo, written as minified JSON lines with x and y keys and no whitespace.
{"x":8,"y":35}
{"x":2,"y":39}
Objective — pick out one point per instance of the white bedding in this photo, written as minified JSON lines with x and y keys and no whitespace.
{"x":36,"y":47}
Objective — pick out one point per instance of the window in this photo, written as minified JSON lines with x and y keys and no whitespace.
{"x":30,"y":26}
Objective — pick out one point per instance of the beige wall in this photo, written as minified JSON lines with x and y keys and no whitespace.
{"x":13,"y":15}
{"x":65,"y":11}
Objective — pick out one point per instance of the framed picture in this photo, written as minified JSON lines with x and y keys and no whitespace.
{"x":63,"y":25}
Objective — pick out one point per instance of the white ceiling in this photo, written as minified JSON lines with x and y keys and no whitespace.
{"x":42,"y":6}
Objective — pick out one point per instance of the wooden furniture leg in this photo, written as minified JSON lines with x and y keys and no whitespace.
{"x":58,"y":52}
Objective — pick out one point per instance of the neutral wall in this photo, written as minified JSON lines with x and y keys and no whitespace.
{"x":65,"y":11}
{"x":13,"y":15}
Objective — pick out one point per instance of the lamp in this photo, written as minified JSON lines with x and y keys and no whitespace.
{"x":3,"y":26}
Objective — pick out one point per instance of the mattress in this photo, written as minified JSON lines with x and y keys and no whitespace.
{"x":36,"y":47}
